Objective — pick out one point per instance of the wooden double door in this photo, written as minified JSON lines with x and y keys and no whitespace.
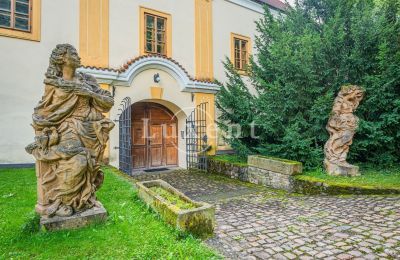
{"x":154,"y":136}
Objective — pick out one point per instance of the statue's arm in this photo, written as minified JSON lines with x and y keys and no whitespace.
{"x":103,"y":99}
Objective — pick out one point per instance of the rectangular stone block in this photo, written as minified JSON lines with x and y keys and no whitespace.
{"x":78,"y":220}
{"x":275,"y":164}
{"x":269,"y":178}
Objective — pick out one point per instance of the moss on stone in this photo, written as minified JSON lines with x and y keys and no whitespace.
{"x":200,"y":225}
{"x":370,"y":179}
{"x":173,"y":199}
{"x":279,"y":159}
{"x":371,"y":182}
{"x":231,"y":159}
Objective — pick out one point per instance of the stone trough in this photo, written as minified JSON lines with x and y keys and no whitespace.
{"x":198,"y":220}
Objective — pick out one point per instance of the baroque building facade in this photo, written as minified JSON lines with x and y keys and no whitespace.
{"x":158,"y":58}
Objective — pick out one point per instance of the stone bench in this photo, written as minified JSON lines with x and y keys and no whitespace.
{"x":273,"y":172}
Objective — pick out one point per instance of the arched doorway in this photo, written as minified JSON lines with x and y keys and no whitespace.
{"x":154,"y":136}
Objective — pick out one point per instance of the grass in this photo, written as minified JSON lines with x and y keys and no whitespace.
{"x":231,"y":158}
{"x":131,"y":231}
{"x":371,"y":178}
{"x":172,"y":198}
{"x":279,"y":159}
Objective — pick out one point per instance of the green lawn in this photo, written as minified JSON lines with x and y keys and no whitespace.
{"x":370,"y":178}
{"x":132,"y":231}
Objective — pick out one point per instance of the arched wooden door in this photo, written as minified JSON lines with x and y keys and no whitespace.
{"x":154,"y":136}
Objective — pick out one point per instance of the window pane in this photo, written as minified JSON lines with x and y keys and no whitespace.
{"x":149,"y":47}
{"x":149,"y":41}
{"x":237,"y":54}
{"x":5,"y":20}
{"x":160,"y":24}
{"x":237,"y":64}
{"x":161,"y":37}
{"x":244,"y":54}
{"x":21,"y":8}
{"x":22,"y":23}
{"x":5,"y":4}
{"x":149,"y":35}
{"x":149,"y":21}
{"x":161,"y":49}
{"x":237,"y":44}
{"x":244,"y":43}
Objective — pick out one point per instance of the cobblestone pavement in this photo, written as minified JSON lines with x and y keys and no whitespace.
{"x":261,"y":223}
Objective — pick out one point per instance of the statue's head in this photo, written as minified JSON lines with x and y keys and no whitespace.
{"x":62,"y":55}
{"x":353,"y":94}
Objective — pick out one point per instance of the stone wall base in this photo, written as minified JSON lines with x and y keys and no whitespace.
{"x":78,"y":220}
{"x":269,"y":178}
{"x":228,"y":169}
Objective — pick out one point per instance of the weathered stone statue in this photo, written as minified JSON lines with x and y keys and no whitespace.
{"x":342,"y":126}
{"x":71,"y":135}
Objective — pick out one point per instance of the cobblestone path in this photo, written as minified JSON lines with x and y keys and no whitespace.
{"x":260,"y":223}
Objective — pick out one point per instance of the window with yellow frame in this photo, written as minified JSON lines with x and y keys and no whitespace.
{"x":155,"y":32}
{"x":240,"y":51}
{"x":20,"y":19}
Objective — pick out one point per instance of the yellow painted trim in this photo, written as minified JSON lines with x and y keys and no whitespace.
{"x":142,"y":11}
{"x":156,"y":92}
{"x":94,"y":32}
{"x":203,"y":40}
{"x":210,"y":118}
{"x":34,"y":34}
{"x":106,"y":155}
{"x":249,"y":48}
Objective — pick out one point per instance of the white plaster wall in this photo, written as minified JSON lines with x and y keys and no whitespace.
{"x":22,"y":67}
{"x":228,"y":18}
{"x":124,"y":29}
{"x":172,"y":98}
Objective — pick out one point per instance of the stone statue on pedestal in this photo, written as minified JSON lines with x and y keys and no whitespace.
{"x":71,"y":134}
{"x":342,"y":126}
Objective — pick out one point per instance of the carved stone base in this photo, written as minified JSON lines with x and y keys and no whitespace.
{"x":78,"y":220}
{"x":340,"y":170}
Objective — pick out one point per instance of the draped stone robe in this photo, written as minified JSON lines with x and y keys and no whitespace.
{"x":71,"y":135}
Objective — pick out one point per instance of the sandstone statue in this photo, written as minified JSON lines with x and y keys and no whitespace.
{"x":71,"y":134}
{"x":342,"y":126}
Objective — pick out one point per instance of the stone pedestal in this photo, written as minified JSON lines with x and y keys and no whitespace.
{"x":78,"y":220}
{"x":341,"y":170}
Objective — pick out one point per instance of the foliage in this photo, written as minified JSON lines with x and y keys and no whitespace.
{"x":230,"y":158}
{"x":131,"y":231}
{"x":172,"y":198}
{"x":371,"y":178}
{"x":302,"y":60}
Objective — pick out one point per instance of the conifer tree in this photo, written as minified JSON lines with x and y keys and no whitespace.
{"x":302,"y":60}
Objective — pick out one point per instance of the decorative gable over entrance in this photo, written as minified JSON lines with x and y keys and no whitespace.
{"x":125,"y":75}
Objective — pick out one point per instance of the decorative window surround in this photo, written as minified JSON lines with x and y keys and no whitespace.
{"x":168,"y":29}
{"x":34,"y":33}
{"x":234,"y":36}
